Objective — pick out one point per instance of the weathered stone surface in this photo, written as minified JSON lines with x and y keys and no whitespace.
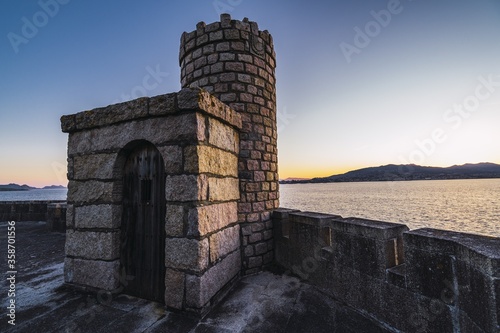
{"x":497,"y":298}
{"x":162,"y":104}
{"x":205,"y":159}
{"x":206,"y":219}
{"x":254,"y":262}
{"x":188,"y":99}
{"x":94,"y":166}
{"x":467,"y":325}
{"x":475,"y":295}
{"x":174,"y":288}
{"x":368,"y":228}
{"x":200,"y":128}
{"x":223,"y":189}
{"x":111,"y":114}
{"x":93,"y":245}
{"x":428,"y":272}
{"x":95,"y":273}
{"x":199,"y":290}
{"x":71,"y":170}
{"x":198,"y":99}
{"x":315,"y":219}
{"x":172,"y":157}
{"x":98,"y":216}
{"x":68,"y":123}
{"x":224,"y":242}
{"x":186,"y":188}
{"x":363,"y":254}
{"x":158,"y":131}
{"x":91,"y":191}
{"x":56,"y":217}
{"x":174,"y":220}
{"x":186,"y":254}
{"x":260,"y":248}
{"x":222,"y":136}
{"x":70,"y":216}
{"x":481,"y":252}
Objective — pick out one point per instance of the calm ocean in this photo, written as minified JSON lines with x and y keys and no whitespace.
{"x":460,"y":205}
{"x":34,"y":195}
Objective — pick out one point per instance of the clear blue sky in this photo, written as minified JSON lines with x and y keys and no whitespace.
{"x":356,"y":87}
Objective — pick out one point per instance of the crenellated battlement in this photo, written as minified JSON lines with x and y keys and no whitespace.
{"x":423,"y":280}
{"x":260,"y":42}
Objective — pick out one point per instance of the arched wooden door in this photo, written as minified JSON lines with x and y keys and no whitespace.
{"x":143,"y":224}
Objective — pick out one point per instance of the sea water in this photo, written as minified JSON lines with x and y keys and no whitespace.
{"x":460,"y":205}
{"x":471,"y":206}
{"x":34,"y":195}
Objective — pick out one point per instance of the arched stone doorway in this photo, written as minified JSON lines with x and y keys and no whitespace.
{"x":142,"y":250}
{"x":128,"y":208}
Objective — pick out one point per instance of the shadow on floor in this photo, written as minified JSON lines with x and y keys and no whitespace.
{"x":265,"y":302}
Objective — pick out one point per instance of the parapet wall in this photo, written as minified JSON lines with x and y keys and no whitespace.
{"x":53,"y":212}
{"x":25,"y":210}
{"x":422,"y":280}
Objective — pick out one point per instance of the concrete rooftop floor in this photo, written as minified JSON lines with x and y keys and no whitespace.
{"x":265,"y":302}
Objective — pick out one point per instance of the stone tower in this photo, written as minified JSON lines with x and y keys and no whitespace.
{"x":235,"y":61}
{"x":170,"y":197}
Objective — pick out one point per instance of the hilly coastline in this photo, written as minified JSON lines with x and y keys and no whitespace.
{"x":393,"y":172}
{"x":17,"y":187}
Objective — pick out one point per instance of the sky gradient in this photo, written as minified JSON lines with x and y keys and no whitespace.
{"x":359,"y":83}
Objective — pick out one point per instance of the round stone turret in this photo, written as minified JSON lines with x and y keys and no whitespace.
{"x":236,"y":62}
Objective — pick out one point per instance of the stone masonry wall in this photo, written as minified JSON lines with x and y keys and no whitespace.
{"x":24,"y":210}
{"x":422,"y":280}
{"x":197,"y":136}
{"x":236,"y":62}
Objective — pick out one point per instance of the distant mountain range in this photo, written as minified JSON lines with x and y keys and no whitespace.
{"x":394,"y":172}
{"x":17,"y":187}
